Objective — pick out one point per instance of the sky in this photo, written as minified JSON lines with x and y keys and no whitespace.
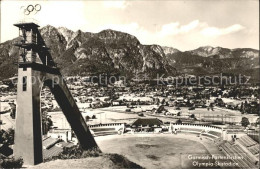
{"x":182,"y":24}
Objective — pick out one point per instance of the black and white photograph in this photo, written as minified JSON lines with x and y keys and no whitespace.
{"x":129,"y":84}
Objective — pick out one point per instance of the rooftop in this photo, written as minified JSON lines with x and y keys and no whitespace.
{"x":49,"y":142}
{"x":26,"y":25}
{"x":147,"y":121}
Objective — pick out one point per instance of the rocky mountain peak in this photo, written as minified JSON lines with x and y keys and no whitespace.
{"x":48,"y":30}
{"x":110,"y":35}
{"x":66,"y":33}
{"x":169,"y":50}
{"x":115,"y":52}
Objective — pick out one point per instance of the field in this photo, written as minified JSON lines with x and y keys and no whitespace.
{"x":157,"y":150}
{"x":119,"y":115}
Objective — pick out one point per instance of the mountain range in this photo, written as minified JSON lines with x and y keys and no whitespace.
{"x":117,"y":53}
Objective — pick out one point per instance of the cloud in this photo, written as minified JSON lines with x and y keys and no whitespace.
{"x":192,"y":25}
{"x":120,"y":4}
{"x":174,"y":28}
{"x":213,"y":31}
{"x":196,"y":26}
{"x":170,"y":29}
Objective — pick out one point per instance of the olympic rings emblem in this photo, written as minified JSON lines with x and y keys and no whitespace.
{"x":30,"y":8}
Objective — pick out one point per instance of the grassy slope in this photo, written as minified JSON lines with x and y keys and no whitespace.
{"x":113,"y":161}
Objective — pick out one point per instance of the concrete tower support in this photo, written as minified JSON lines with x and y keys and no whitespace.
{"x":32,"y":76}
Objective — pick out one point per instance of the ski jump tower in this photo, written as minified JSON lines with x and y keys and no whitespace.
{"x":36,"y":69}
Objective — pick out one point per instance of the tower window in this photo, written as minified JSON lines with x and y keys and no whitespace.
{"x":24,"y":83}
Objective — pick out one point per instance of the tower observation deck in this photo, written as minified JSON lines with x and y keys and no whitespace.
{"x":32,"y":47}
